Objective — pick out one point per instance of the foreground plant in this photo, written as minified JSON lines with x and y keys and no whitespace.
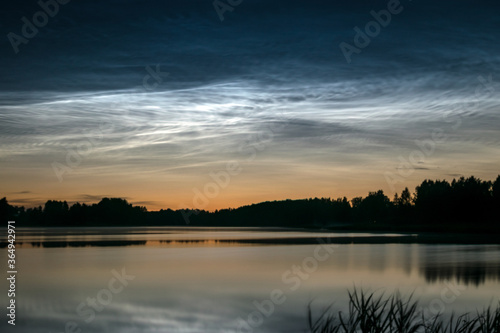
{"x":368,"y":313}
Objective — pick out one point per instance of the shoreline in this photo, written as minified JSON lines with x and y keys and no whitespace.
{"x":337,"y":237}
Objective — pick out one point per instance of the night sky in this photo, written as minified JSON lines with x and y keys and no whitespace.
{"x":166,"y":105}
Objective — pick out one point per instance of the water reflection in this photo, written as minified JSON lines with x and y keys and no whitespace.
{"x":469,"y":265}
{"x":215,"y":240}
{"x":202,"y":280}
{"x":465,"y":273}
{"x":87,"y":243}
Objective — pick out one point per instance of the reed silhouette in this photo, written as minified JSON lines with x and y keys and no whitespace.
{"x":369,"y":313}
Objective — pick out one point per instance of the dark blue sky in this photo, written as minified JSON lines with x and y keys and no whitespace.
{"x":268,"y":87}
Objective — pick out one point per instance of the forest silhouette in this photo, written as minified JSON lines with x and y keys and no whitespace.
{"x":462,"y":205}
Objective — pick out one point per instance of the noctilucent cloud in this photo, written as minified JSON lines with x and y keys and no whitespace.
{"x":214,"y":104}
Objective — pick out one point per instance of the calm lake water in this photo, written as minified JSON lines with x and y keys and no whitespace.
{"x":228,"y":280}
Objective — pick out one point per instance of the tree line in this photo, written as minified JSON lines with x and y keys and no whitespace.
{"x":464,"y":204}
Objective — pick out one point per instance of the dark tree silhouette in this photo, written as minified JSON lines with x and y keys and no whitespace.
{"x":431,"y":201}
{"x":404,"y":209}
{"x":55,"y":213}
{"x":375,"y":207}
{"x":495,"y":189}
{"x":6,"y":210}
{"x":495,"y":193}
{"x":470,"y":201}
{"x":465,"y":204}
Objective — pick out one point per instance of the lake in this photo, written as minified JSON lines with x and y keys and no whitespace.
{"x":231,"y":279}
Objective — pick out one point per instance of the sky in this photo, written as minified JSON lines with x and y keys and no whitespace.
{"x":214,"y":104}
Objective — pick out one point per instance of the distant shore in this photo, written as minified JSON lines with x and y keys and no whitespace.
{"x":466,"y":205}
{"x":335,"y":237}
